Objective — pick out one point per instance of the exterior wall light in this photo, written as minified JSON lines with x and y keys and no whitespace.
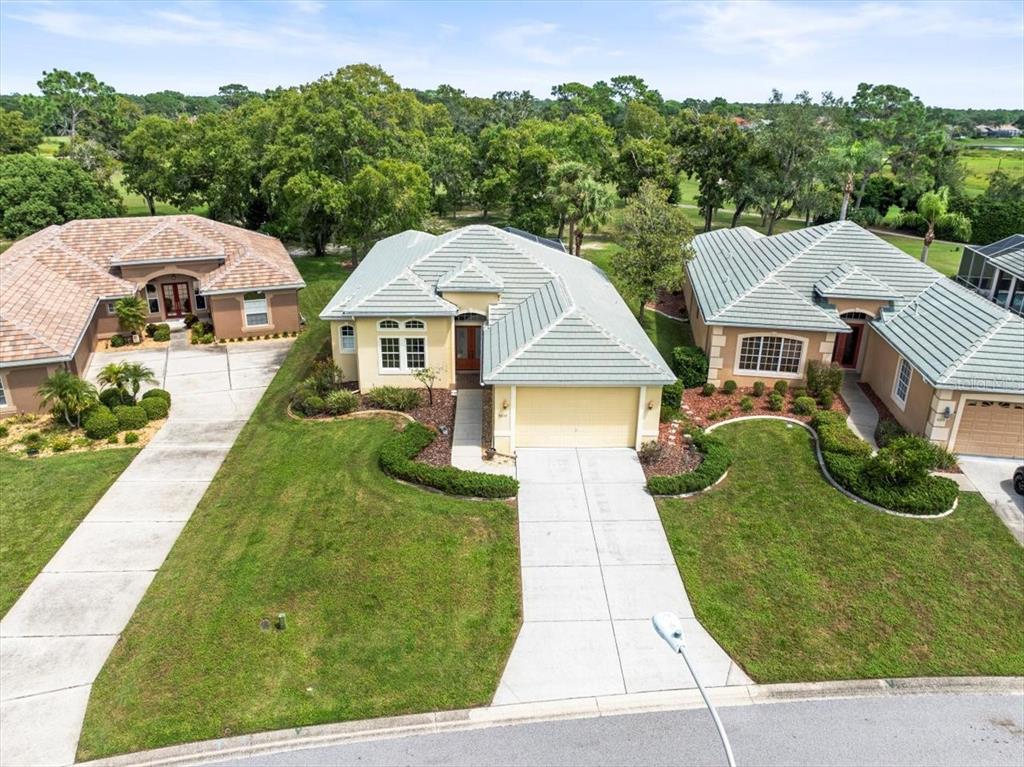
{"x":504,"y":404}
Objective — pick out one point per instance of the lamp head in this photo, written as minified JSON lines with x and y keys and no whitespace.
{"x":670,"y":629}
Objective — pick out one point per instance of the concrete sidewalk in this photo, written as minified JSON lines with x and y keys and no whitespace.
{"x":467,"y":437}
{"x":596,"y":566}
{"x":863,"y":418}
{"x":57,"y":636}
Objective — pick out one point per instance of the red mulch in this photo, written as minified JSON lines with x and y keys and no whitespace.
{"x":676,"y":457}
{"x":670,"y":303}
{"x":704,"y":411}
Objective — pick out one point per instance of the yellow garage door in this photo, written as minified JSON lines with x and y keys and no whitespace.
{"x":576,"y":416}
{"x":991,"y":428}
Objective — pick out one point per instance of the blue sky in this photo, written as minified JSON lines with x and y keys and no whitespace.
{"x":954,"y":54}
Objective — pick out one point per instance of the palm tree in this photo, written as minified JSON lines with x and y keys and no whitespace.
{"x":932,"y":207}
{"x":112,"y":376}
{"x":134,"y":375}
{"x":132,"y":312}
{"x":69,"y":394}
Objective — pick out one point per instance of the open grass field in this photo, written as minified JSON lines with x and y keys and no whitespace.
{"x":397,"y":600}
{"x":797,"y":582}
{"x":42,"y":500}
{"x":981,"y":163}
{"x":1011,"y":142}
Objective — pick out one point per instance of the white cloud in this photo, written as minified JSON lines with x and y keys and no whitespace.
{"x":540,"y":42}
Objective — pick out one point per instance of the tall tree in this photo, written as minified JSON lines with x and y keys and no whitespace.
{"x":384,"y":199}
{"x":932,"y":207}
{"x":75,"y":96}
{"x":711,"y":148}
{"x":18,"y":134}
{"x":147,"y":161}
{"x":655,"y":237}
{"x":578,"y":198}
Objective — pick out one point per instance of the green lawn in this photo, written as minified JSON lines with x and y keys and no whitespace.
{"x":397,"y":600}
{"x":667,"y":333}
{"x":42,"y":500}
{"x":1015,"y":142}
{"x":982,"y":163}
{"x":797,"y":582}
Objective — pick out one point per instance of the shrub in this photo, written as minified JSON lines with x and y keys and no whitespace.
{"x":667,"y":414}
{"x":942,"y":459}
{"x":825,"y":399}
{"x":162,"y":333}
{"x":340,"y":402}
{"x":729,"y":387}
{"x":150,"y":329}
{"x":672,"y":395}
{"x":708,"y":390}
{"x":804,"y":406}
{"x":201,"y":333}
{"x":190,"y":320}
{"x":131,"y":438}
{"x":117,"y":341}
{"x":836,"y":436}
{"x":312,"y":404}
{"x":393,"y":398}
{"x":716,"y":461}
{"x":650,"y":452}
{"x":780,"y":388}
{"x":155,"y":407}
{"x":113,"y":397}
{"x":162,"y":393}
{"x":33,"y":440}
{"x":60,"y":444}
{"x":887,"y":430}
{"x":758,"y":388}
{"x":4,"y":431}
{"x":776,"y":402}
{"x":822,"y":377}
{"x":112,"y":439}
{"x":130,"y":417}
{"x":396,"y":460}
{"x":100,"y":423}
{"x":691,"y":365}
{"x":797,"y":391}
{"x":746,"y":404}
{"x":903,"y":461}
{"x":325,"y":376}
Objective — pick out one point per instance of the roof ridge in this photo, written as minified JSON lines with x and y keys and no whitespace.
{"x":202,"y":239}
{"x":406,"y":273}
{"x":85,"y":261}
{"x":143,"y":238}
{"x":529,"y":344}
{"x":972,"y":350}
{"x":917,"y":297}
{"x":771,"y":274}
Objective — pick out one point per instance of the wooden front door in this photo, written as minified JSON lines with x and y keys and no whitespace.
{"x":176,"y":299}
{"x":847,"y":347}
{"x":467,"y":347}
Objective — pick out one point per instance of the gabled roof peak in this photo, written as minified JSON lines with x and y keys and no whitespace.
{"x":471,"y":276}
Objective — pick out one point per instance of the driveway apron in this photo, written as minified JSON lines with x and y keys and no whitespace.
{"x":596,"y":565}
{"x":993,"y":478}
{"x":57,"y":636}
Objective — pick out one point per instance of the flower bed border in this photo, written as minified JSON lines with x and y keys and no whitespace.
{"x":691,"y":493}
{"x":828,"y":476}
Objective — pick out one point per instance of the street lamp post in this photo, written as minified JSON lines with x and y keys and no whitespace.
{"x":670,"y":629}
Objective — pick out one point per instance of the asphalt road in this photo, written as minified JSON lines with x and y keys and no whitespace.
{"x":904,"y":730}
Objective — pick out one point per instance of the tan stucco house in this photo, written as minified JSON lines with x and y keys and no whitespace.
{"x":58,"y":288}
{"x":565,"y":360}
{"x":948,"y":363}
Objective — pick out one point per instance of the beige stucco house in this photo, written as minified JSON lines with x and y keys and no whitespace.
{"x":946,"y":362}
{"x":58,"y":288}
{"x":566,"y":362}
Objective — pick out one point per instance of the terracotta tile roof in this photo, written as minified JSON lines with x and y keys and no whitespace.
{"x":51,"y":281}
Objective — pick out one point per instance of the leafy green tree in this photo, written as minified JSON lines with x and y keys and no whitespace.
{"x":18,"y":134}
{"x":75,"y":97}
{"x":711,"y":148}
{"x":36,"y":192}
{"x":497,"y":160}
{"x":644,"y":151}
{"x":449,"y":163}
{"x":655,"y":237}
{"x":384,"y":199}
{"x":933,"y":207}
{"x":67,"y":394}
{"x":132,"y":312}
{"x":147,"y":161}
{"x":578,"y":198}
{"x":234,"y":95}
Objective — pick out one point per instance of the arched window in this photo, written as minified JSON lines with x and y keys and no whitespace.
{"x":770,"y":354}
{"x":414,"y":325}
{"x":388,"y":324}
{"x":347,"y":338}
{"x":855,"y":316}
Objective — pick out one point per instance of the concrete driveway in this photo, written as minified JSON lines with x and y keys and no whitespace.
{"x":57,"y":636}
{"x":993,"y":477}
{"x":596,"y":565}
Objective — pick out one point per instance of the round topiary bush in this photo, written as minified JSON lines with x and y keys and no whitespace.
{"x":729,"y":387}
{"x":781,"y":387}
{"x":131,"y":438}
{"x":775,"y":402}
{"x":130,"y":417}
{"x":758,"y":388}
{"x":155,"y":407}
{"x":100,"y":423}
{"x":340,"y":402}
{"x":804,"y":406}
{"x":112,"y":398}
{"x":746,"y":404}
{"x":117,"y":341}
{"x":708,"y":390}
{"x":162,"y":393}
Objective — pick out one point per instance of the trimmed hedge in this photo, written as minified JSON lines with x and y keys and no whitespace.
{"x":155,"y":407}
{"x":130,"y":417}
{"x":848,"y":459}
{"x":691,"y":365}
{"x":396,"y":459}
{"x":717,"y":459}
{"x":158,"y":393}
{"x":672,"y":395}
{"x":100,"y":423}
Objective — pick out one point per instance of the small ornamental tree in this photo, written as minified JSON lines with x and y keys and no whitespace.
{"x":131,"y":313}
{"x":69,"y":395}
{"x":428,"y":377}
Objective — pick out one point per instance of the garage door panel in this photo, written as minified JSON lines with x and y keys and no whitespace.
{"x":991,"y":428}
{"x":576,"y":416}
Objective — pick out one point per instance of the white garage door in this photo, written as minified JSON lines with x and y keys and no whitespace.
{"x":991,"y":428}
{"x":576,"y":416}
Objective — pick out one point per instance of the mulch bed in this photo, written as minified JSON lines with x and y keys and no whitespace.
{"x":670,"y":303}
{"x":677,"y":456}
{"x":704,"y":411}
{"x":441,"y":417}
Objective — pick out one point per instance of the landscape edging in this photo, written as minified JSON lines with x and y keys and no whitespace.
{"x":825,"y":472}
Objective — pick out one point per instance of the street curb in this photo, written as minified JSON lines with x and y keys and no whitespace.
{"x":319,"y":736}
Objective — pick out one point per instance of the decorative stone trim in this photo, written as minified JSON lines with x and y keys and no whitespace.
{"x":824,"y":470}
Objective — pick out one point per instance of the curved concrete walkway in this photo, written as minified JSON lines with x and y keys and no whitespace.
{"x":863,"y":418}
{"x":57,"y":636}
{"x":596,"y":566}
